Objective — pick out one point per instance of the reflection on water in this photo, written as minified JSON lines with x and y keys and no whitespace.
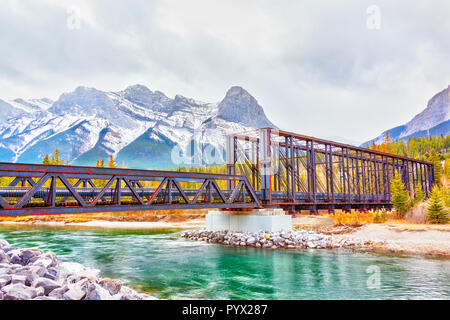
{"x":160,"y":262}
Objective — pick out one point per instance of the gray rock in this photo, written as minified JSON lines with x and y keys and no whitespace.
{"x":74,"y":293}
{"x":3,"y":257}
{"x":15,"y":258}
{"x":4,"y":244}
{"x":113,"y":286}
{"x":311,"y":245}
{"x":50,"y":276}
{"x":58,"y":292}
{"x":27,"y":254}
{"x":44,"y":298}
{"x":19,"y":291}
{"x":5,"y":279}
{"x":73,"y":268}
{"x":42,"y":261}
{"x":16,"y":278}
{"x":129,"y":294}
{"x":96,"y":292}
{"x":47,"y":284}
{"x":251,"y":241}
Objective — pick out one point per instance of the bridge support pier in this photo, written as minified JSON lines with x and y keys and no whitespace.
{"x":255,"y":220}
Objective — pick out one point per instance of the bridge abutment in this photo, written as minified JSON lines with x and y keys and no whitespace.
{"x":271,"y":220}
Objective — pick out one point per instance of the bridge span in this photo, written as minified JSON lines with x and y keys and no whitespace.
{"x":266,"y":168}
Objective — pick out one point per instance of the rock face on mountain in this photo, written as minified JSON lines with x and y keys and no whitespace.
{"x":138,"y":126}
{"x":240,"y":107}
{"x":433,"y":121}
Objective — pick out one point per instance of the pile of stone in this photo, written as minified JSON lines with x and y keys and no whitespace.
{"x":30,"y":274}
{"x":301,"y":239}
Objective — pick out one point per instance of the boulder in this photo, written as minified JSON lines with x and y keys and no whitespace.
{"x":96,"y":292}
{"x":47,"y":284}
{"x":27,"y":254}
{"x":3,"y":257}
{"x":44,"y":298}
{"x":74,"y":293}
{"x":16,"y":278}
{"x":4,"y":244}
{"x":42,"y":261}
{"x":113,"y":286}
{"x":5,"y":279}
{"x":14,"y":258}
{"x":74,"y":268}
{"x":58,"y":293}
{"x":19,"y":291}
{"x":311,"y":245}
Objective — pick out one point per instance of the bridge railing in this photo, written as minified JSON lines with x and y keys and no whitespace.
{"x":47,"y":189}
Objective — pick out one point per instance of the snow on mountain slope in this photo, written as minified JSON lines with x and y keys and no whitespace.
{"x":437,"y":111}
{"x":138,"y":126}
{"x":433,"y":121}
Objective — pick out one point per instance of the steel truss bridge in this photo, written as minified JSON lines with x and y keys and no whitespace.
{"x":265,"y":168}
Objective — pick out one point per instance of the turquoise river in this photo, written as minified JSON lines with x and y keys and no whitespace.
{"x":169,"y":267}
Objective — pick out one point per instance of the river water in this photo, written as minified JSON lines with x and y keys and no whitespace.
{"x":169,"y":267}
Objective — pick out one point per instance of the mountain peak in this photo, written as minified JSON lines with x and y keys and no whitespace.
{"x":138,"y":88}
{"x":433,"y":120}
{"x":241,"y":107}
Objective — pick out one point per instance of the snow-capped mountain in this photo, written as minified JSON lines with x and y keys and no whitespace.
{"x":138,"y":126}
{"x":433,"y":121}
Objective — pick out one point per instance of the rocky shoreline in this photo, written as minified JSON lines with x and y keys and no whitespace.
{"x":30,"y":274}
{"x":300,"y":239}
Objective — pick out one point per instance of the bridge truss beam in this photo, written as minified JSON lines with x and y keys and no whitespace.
{"x":67,"y":189}
{"x":301,"y":172}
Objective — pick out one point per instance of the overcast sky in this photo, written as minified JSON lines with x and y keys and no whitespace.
{"x":322,"y":68}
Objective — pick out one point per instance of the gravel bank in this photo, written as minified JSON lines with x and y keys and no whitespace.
{"x":301,"y":239}
{"x":30,"y":274}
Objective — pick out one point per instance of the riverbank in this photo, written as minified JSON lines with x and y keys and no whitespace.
{"x":392,"y":237}
{"x":30,"y":274}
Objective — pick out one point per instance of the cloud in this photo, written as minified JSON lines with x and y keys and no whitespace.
{"x":315,"y":67}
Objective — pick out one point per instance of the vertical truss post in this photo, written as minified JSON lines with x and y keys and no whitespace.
{"x":51,"y":197}
{"x":288,"y":168}
{"x":231,"y":159}
{"x":266,"y":175}
{"x":118,"y":192}
{"x":292,"y":168}
{"x":363,"y":178}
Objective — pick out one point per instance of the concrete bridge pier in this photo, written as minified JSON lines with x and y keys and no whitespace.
{"x":269,"y":219}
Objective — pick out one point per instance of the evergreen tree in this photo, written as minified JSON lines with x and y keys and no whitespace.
{"x":399,"y":195}
{"x":46,"y":159}
{"x":434,"y":158}
{"x":111,"y":162}
{"x":445,"y":195}
{"x":435,"y":209}
{"x":447,"y":168}
{"x":420,"y":195}
{"x":55,"y":158}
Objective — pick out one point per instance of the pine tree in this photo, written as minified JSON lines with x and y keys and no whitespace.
{"x":435,"y":210}
{"x":399,"y":195}
{"x":55,"y":158}
{"x":445,"y":195}
{"x":46,"y":160}
{"x":434,"y":158}
{"x":111,"y":162}
{"x":447,"y":168}
{"x":420,"y":195}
